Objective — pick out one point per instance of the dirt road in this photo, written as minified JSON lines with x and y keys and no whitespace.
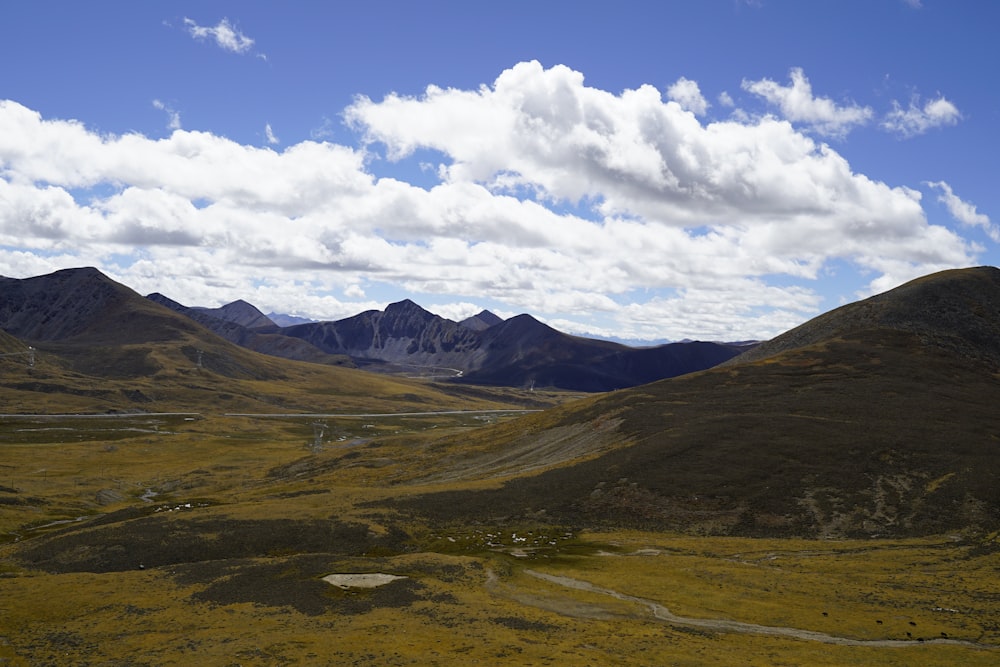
{"x":724,"y":625}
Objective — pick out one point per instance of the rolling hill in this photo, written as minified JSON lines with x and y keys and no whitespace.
{"x":876,"y":419}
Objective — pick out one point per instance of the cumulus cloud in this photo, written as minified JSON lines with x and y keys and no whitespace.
{"x":964,"y":211}
{"x":225,"y":35}
{"x":798,"y":104}
{"x":687,"y":93}
{"x":916,"y":119}
{"x":681,"y":228}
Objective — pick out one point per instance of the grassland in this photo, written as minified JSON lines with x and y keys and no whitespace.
{"x":202,"y":539}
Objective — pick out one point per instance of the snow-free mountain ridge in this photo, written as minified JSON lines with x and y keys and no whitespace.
{"x":85,"y":306}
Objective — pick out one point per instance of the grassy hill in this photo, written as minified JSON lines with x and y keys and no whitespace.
{"x":878,"y":419}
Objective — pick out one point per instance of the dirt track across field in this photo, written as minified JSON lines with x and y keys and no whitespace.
{"x":724,"y":625}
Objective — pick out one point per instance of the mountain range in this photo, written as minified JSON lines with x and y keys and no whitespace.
{"x":102,"y":348}
{"x":876,"y":419}
{"x":482,"y":349}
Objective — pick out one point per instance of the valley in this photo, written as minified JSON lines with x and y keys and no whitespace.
{"x":832,"y":501}
{"x":211,"y":537}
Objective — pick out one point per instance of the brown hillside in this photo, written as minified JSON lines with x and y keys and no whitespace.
{"x":956,"y":310}
{"x":882,"y":421}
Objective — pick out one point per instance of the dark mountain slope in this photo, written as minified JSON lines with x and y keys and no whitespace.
{"x":519,"y":352}
{"x":483,"y":320}
{"x":402,"y":333}
{"x":84,"y":306}
{"x":241,"y":313}
{"x":885,"y":427}
{"x":86,"y":322}
{"x":265,"y":337}
{"x":524,"y":352}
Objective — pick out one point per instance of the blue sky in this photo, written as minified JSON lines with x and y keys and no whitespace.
{"x":720,"y":169}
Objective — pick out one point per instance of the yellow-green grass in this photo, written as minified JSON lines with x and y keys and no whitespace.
{"x":167,"y":380}
{"x":472,"y":595}
{"x":488,"y":610}
{"x":920,"y":588}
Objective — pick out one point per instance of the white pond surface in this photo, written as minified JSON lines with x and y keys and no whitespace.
{"x":370,"y":580}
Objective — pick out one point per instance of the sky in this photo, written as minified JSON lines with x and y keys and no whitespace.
{"x":644,"y":171}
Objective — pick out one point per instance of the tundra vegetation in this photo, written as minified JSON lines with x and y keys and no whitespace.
{"x":170,"y":539}
{"x":174,"y":499}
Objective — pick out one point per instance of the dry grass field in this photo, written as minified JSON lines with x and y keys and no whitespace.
{"x":177,"y":540}
{"x":175,"y":500}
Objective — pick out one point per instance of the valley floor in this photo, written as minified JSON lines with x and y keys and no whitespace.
{"x":176,"y":542}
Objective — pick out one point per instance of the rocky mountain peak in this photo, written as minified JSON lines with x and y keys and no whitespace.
{"x":481,"y":321}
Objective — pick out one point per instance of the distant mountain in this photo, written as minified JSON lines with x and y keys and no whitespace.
{"x":100,"y":347}
{"x":522,"y":351}
{"x":241,"y":323}
{"x":404,"y":333}
{"x":83,"y":305}
{"x":876,"y":419}
{"x":519,"y":352}
{"x":240,"y":312}
{"x":283,"y":320}
{"x":483,"y":320}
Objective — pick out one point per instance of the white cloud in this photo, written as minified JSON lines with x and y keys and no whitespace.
{"x":726,"y":100}
{"x":964,"y":211}
{"x":173,"y":116}
{"x":915,"y":120}
{"x":686,"y":228}
{"x":798,"y":105}
{"x":225,"y":35}
{"x":269,"y":135}
{"x":914,"y":4}
{"x":687,"y":93}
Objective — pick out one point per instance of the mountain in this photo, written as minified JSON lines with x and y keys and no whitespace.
{"x":483,"y":320}
{"x":519,"y":352}
{"x":242,"y":324}
{"x":404,"y":333}
{"x":240,"y":312}
{"x":101,"y":347}
{"x":877,"y":419}
{"x":83,"y":306}
{"x":522,"y":351}
{"x":283,"y":320}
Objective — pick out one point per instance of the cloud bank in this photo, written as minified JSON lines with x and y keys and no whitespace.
{"x":606,"y":213}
